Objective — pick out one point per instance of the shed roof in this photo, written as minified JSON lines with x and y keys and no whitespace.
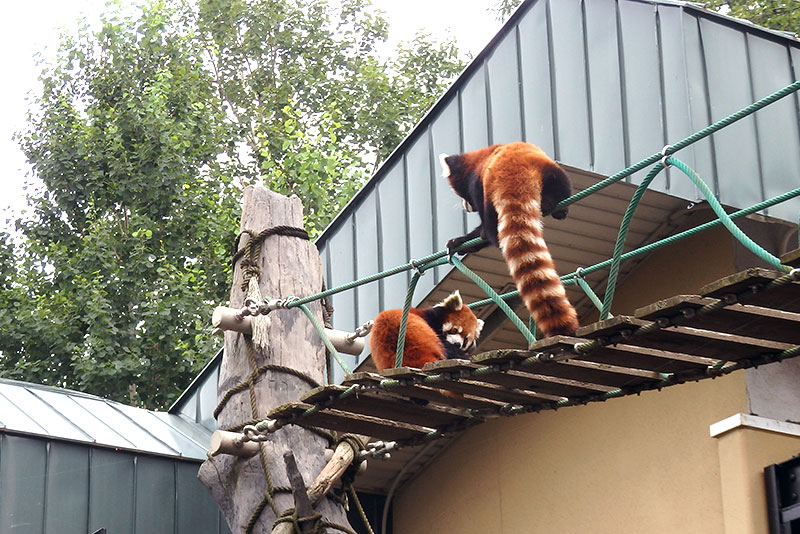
{"x":73,"y":416}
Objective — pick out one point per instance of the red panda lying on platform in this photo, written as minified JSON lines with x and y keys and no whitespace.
{"x":510,"y":186}
{"x":447,"y":330}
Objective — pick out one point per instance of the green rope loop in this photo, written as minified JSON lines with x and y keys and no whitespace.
{"x":616,"y":258}
{"x":325,"y":339}
{"x":751,"y":245}
{"x":481,"y":283}
{"x":401,"y":333}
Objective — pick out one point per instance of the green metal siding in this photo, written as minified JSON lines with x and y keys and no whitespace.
{"x":55,"y":487}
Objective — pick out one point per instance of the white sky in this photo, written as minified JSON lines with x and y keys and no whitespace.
{"x":32,"y":26}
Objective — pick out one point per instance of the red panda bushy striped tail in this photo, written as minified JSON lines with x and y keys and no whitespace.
{"x":519,"y":232}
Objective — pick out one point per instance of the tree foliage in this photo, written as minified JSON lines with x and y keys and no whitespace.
{"x":140,"y":140}
{"x":502,"y":9}
{"x":774,"y":14}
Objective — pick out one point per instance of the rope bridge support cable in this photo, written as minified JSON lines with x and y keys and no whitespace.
{"x":481,"y":283}
{"x":623,"y":232}
{"x":663,"y":242}
{"x":401,"y":334}
{"x":683,"y":143}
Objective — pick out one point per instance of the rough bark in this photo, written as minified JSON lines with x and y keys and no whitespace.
{"x":289,"y":266}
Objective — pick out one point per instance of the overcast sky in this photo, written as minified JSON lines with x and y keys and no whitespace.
{"x":30,"y":27}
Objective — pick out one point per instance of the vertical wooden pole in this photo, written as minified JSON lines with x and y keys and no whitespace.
{"x":289,"y":266}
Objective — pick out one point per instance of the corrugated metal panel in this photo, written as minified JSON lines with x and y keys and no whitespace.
{"x":69,"y":415}
{"x":66,"y":510}
{"x":605,"y":89}
{"x":54,"y":487}
{"x":392,"y":242}
{"x":567,"y":61}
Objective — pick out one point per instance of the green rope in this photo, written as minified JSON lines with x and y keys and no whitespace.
{"x":588,"y":291}
{"x":421,"y":264}
{"x":683,"y":143}
{"x":401,"y":333}
{"x":481,"y":283}
{"x":663,"y":242}
{"x":532,"y":326}
{"x":623,"y":233}
{"x":325,"y":339}
{"x":751,"y":245}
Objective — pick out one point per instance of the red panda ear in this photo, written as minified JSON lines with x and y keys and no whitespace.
{"x":445,"y":166}
{"x":454,"y":301}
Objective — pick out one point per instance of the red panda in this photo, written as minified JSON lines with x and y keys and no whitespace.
{"x":510,"y":186}
{"x":447,"y":330}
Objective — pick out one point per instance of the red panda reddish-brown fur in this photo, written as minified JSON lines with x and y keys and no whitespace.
{"x":446,"y":330}
{"x":422,"y":345}
{"x":510,"y":185}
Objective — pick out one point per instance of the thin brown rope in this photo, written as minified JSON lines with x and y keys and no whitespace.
{"x":257,"y":238}
{"x":253,"y":378}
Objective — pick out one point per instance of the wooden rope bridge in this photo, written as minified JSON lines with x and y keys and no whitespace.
{"x":744,"y":320}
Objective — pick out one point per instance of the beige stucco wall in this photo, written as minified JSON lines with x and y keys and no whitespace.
{"x":636,"y":464}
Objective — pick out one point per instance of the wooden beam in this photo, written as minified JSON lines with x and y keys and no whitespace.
{"x":288,"y":266}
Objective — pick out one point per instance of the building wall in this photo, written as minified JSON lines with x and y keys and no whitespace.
{"x":636,"y":464}
{"x":57,"y":487}
{"x":743,"y":455}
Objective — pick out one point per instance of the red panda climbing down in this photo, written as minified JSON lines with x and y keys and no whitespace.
{"x":447,"y":330}
{"x":510,"y":186}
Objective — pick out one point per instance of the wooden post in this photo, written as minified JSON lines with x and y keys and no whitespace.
{"x":289,"y":266}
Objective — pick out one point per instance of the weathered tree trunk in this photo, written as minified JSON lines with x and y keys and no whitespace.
{"x":289,"y":266}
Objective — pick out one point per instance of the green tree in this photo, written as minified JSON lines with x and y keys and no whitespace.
{"x":502,"y":9}
{"x":304,"y":66}
{"x":126,"y":246}
{"x":774,"y":14}
{"x":142,"y":136}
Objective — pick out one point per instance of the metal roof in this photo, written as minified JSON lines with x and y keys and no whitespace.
{"x":78,"y":417}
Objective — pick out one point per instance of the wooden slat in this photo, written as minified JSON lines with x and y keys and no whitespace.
{"x":607,"y":328}
{"x":692,"y":341}
{"x":555,"y":380}
{"x":791,"y":258}
{"x":786,"y":297}
{"x":386,"y":406}
{"x":476,"y":389}
{"x":418,"y":392}
{"x":544,"y":389}
{"x":346,"y":422}
{"x":624,"y":354}
{"x":590,"y":372}
{"x":746,"y":320}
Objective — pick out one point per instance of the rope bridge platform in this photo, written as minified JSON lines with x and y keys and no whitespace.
{"x":744,"y":320}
